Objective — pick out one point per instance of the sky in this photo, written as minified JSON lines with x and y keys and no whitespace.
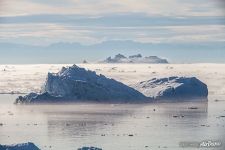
{"x":173,"y":29}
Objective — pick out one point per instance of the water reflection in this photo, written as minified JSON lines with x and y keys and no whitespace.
{"x":108,"y":126}
{"x":117,"y":122}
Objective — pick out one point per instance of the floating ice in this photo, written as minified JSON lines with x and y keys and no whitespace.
{"x":22,"y":146}
{"x":89,"y":148}
{"x":77,"y":84}
{"x":173,"y":88}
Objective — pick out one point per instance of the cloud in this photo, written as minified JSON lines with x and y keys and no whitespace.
{"x":120,"y":20}
{"x":102,"y":7}
{"x":94,"y":21}
{"x":47,"y":33}
{"x":43,"y":34}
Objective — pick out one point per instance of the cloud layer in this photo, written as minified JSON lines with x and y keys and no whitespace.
{"x":100,"y":7}
{"x":48,"y":29}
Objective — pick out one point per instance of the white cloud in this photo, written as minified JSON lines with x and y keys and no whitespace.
{"x":102,"y":7}
{"x":44,"y":34}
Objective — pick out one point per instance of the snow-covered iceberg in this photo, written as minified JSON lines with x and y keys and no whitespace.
{"x":22,"y":146}
{"x":73,"y":84}
{"x":119,"y":58}
{"x":173,"y":88}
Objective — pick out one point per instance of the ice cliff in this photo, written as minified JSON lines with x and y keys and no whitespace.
{"x":77,"y":84}
{"x":173,"y":88}
{"x":119,"y":58}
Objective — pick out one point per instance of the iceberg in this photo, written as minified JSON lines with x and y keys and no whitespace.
{"x":22,"y":146}
{"x":173,"y":88}
{"x":89,"y":148}
{"x":75,"y":84}
{"x":119,"y":58}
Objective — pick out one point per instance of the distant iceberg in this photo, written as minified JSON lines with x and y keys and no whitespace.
{"x":23,"y":146}
{"x":173,"y":88}
{"x":119,"y":58}
{"x":74,"y":84}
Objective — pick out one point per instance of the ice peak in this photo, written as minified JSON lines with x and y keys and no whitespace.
{"x":119,"y":56}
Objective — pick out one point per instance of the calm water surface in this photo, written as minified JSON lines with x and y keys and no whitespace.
{"x":112,"y":126}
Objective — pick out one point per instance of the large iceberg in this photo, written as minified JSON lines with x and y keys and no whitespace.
{"x":173,"y":88}
{"x":119,"y":58}
{"x":73,"y":84}
{"x":23,"y":146}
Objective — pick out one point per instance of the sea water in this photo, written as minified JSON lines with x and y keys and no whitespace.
{"x":113,"y":126}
